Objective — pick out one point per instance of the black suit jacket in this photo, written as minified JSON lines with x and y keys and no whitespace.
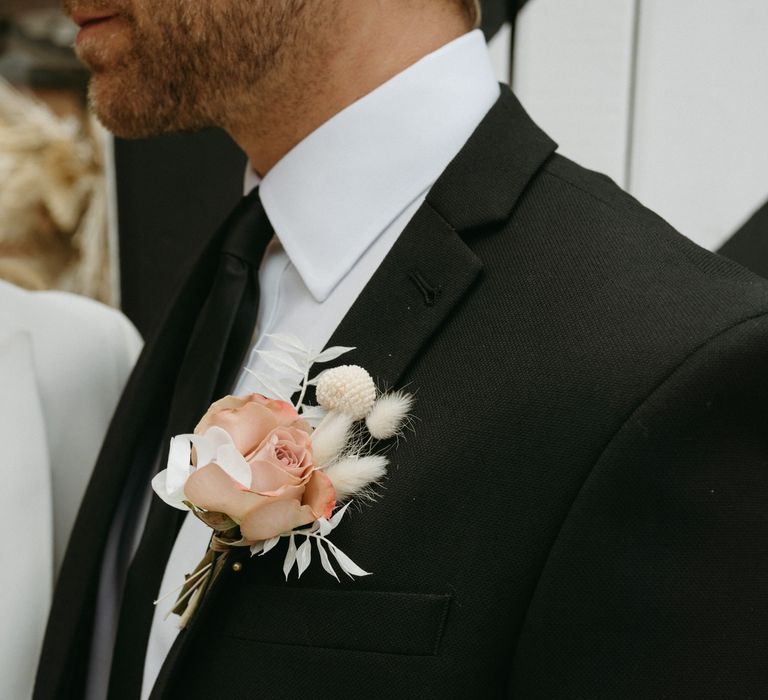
{"x":749,"y":245}
{"x":582,"y":509}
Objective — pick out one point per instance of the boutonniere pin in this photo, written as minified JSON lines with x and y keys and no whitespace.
{"x":260,"y":469}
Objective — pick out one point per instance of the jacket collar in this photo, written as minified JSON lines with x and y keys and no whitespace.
{"x":330,"y":197}
{"x":483,"y":183}
{"x":431,"y":266}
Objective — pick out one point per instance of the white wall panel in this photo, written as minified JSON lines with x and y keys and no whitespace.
{"x":700,"y":150}
{"x":499,"y":48}
{"x":572,"y":72}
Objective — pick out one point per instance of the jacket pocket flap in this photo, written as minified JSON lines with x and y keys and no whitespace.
{"x":392,"y":623}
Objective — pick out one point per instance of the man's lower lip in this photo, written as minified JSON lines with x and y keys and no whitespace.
{"x":93,"y":27}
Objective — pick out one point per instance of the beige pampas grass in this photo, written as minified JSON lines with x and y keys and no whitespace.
{"x":354,"y":475}
{"x":330,"y":437}
{"x":388,"y":415}
{"x":53,"y":202}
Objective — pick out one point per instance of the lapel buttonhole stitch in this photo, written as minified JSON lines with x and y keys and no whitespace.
{"x":429,"y":292}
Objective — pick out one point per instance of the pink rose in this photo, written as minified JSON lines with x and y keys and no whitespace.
{"x":285,"y":412}
{"x":285,"y":456}
{"x":286,"y":490}
{"x":248,"y":419}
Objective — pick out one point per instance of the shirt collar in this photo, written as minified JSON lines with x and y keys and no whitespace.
{"x":336,"y":191}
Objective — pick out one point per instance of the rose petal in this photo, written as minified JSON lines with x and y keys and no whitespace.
{"x":234,"y":464}
{"x":293,"y":466}
{"x":247,"y":422}
{"x":248,"y":426}
{"x":173,"y":498}
{"x":220,"y":405}
{"x":211,"y":488}
{"x":320,"y":495}
{"x":285,"y":413}
{"x":207,"y":444}
{"x":274,"y":518}
{"x":268,"y":476}
{"x":285,"y":493}
{"x":179,"y":467}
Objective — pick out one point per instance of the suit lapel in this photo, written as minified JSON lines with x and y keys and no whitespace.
{"x":428,"y":272}
{"x":425,"y":274}
{"x":431,"y":266}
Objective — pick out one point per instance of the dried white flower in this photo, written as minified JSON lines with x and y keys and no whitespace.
{"x":330,"y":437}
{"x":354,"y":475}
{"x":348,"y":389}
{"x":388,"y":414}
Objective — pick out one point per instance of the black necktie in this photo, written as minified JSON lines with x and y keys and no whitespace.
{"x":217,"y":345}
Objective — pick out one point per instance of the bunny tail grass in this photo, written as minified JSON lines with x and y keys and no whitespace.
{"x":388,"y":414}
{"x":353,"y":475}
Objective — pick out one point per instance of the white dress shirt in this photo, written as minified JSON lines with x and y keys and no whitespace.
{"x":338,"y":201}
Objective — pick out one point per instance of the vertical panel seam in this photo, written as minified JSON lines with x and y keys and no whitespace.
{"x":632,"y":96}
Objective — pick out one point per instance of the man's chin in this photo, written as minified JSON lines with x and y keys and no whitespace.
{"x":129,"y":115}
{"x":118,"y":112}
{"x":124,"y":130}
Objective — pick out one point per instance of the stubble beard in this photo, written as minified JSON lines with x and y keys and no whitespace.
{"x":174,"y":68}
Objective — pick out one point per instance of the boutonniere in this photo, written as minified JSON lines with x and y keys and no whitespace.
{"x":259,"y":469}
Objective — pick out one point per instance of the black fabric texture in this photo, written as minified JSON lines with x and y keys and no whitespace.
{"x":585,"y":486}
{"x":496,"y":12}
{"x":349,"y":619}
{"x":749,"y":245}
{"x":173,"y":191}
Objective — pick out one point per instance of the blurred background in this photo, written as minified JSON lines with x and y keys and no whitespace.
{"x":669,"y":98}
{"x":53,"y":197}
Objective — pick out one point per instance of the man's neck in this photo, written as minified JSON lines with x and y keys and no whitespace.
{"x":363,"y":52}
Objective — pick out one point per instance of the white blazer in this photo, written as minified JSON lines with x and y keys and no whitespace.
{"x":63,"y":363}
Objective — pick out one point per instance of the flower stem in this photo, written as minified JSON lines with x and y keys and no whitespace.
{"x":188,"y":580}
{"x":197,"y":584}
{"x":303,"y":386}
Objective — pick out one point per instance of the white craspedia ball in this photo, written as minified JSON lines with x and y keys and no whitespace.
{"x":348,"y":389}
